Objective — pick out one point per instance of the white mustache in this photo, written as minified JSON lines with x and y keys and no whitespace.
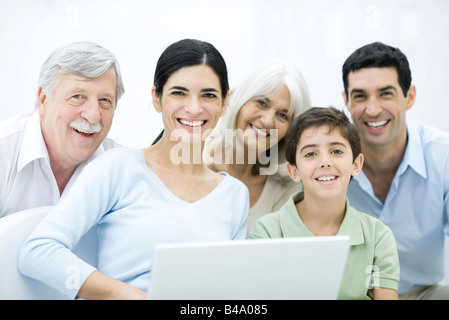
{"x":85,"y":126}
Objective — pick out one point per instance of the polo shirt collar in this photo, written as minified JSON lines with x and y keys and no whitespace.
{"x":33,"y":145}
{"x":292,"y":225}
{"x":352,"y":226}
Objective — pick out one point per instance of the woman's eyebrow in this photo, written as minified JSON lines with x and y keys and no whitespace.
{"x":178,"y":88}
{"x":209,"y":90}
{"x":202,"y":90}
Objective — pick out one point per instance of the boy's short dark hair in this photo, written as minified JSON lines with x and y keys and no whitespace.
{"x":378,"y":55}
{"x":317,"y":117}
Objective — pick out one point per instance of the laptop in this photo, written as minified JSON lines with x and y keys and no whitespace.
{"x":262,"y":269}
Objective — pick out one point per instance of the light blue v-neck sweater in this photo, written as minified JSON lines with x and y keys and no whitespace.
{"x":133,"y":211}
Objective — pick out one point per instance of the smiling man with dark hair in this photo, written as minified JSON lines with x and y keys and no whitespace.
{"x":405,"y":177}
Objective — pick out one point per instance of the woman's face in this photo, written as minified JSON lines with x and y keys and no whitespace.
{"x":263,"y":121}
{"x":191,"y":103}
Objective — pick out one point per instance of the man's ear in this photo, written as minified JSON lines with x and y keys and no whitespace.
{"x":156,"y":100}
{"x":293,"y":172}
{"x":357,"y":165}
{"x":41,"y":100}
{"x":411,"y":97}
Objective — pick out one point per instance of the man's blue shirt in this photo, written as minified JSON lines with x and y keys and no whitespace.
{"x":417,"y":206}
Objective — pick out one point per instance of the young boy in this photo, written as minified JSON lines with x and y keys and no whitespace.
{"x":323,"y":152}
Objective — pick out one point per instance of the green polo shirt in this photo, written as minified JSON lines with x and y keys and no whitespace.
{"x":372,"y":260}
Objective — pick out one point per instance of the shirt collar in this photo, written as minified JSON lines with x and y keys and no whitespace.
{"x":414,"y":154}
{"x":292,"y":225}
{"x":33,"y":144}
{"x":413,"y":157}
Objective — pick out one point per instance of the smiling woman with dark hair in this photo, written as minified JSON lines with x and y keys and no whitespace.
{"x":138,"y":198}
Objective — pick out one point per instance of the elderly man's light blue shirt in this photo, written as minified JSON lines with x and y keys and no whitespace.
{"x":417,"y":206}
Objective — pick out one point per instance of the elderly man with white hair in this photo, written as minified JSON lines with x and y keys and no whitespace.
{"x":43,"y":151}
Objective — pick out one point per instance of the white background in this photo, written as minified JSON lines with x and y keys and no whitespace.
{"x":315,"y":35}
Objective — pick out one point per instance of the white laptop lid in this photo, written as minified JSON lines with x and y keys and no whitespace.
{"x":266,"y":269}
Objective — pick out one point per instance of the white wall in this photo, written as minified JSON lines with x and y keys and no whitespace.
{"x":315,"y":35}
